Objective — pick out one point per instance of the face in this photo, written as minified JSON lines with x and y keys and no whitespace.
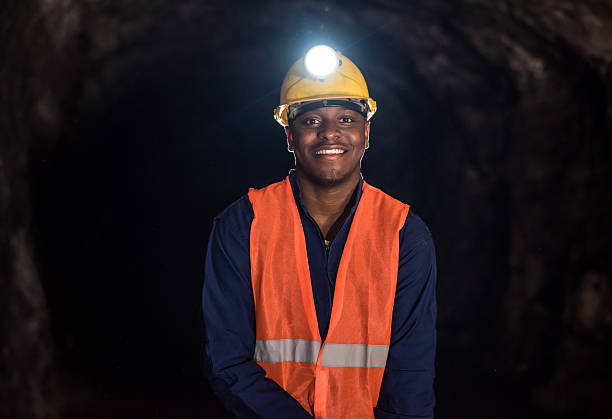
{"x":328,"y":144}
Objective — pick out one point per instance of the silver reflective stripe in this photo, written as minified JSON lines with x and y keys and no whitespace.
{"x":334,"y":354}
{"x":354,"y":355}
{"x":287,"y":350}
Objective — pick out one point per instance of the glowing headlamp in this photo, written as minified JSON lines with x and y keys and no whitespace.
{"x":321,"y":61}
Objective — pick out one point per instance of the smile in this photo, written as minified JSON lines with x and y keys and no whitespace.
{"x":330,"y":151}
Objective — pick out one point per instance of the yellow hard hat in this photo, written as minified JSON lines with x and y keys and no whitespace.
{"x":323,"y":75}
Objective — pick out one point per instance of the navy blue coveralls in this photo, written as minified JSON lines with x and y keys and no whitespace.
{"x":229,"y":317}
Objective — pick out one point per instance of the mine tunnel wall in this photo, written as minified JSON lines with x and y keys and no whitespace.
{"x":126,"y":129}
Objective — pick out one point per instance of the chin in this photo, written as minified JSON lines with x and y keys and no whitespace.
{"x":330,"y":178}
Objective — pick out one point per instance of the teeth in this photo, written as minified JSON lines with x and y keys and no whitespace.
{"x":331,"y":151}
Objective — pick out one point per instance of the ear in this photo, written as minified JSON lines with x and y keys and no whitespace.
{"x":289,"y":139}
{"x":367,"y":135}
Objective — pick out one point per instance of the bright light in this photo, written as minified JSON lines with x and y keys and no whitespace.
{"x":321,"y":61}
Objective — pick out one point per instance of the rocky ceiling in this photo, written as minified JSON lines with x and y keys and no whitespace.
{"x":126,"y":126}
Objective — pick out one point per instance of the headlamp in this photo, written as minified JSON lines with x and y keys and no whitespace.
{"x":323,"y":77}
{"x":321,"y":61}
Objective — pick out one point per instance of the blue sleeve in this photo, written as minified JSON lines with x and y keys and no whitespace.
{"x":229,"y":322}
{"x":407,"y":385}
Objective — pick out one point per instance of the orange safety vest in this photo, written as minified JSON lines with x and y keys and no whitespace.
{"x":341,"y":376}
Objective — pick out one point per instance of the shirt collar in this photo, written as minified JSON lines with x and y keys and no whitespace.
{"x":297,"y":193}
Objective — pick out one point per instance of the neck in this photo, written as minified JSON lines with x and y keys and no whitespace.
{"x":327,"y":204}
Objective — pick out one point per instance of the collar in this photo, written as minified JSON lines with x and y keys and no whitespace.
{"x":297,"y":193}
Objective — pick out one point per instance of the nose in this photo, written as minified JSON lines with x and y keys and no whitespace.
{"x":328,"y":131}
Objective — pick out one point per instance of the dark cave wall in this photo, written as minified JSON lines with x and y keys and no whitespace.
{"x":126,"y":128}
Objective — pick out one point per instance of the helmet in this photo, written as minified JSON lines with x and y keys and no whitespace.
{"x":323,"y":77}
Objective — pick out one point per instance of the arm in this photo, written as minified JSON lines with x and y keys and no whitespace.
{"x":407,"y":385}
{"x":229,"y":320}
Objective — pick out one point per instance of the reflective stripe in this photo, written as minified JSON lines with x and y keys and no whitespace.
{"x":287,"y":350}
{"x":334,"y":354}
{"x":354,"y":355}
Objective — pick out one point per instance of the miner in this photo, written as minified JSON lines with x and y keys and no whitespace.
{"x":319,"y":290}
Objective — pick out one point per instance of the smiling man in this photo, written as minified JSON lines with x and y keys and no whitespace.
{"x":319,"y":290}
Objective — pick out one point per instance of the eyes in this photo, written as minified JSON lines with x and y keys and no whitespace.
{"x":314,"y":121}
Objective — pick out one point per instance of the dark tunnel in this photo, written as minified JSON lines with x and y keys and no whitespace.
{"x":127,"y":126}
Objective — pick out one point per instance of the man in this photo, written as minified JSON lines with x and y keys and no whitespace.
{"x":319,"y":290}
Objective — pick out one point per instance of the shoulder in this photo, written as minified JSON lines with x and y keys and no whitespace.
{"x":236,"y":217}
{"x":415,"y":228}
{"x":381,"y":196}
{"x":415,"y":235}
